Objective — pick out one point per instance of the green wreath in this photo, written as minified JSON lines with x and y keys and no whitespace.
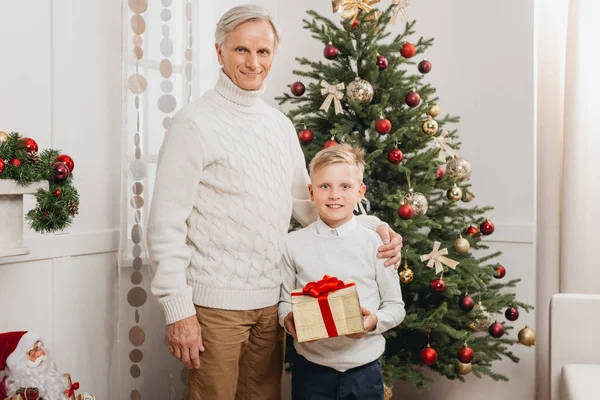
{"x":21,"y":162}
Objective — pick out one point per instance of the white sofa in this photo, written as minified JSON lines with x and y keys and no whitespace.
{"x":574,"y":347}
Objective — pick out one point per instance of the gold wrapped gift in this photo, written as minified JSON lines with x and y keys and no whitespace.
{"x":326,"y":308}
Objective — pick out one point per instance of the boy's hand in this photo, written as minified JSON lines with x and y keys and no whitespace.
{"x":392,"y":246}
{"x":289,"y":325}
{"x":369,"y":321}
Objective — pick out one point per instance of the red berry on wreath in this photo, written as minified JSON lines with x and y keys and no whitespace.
{"x":408,"y":50}
{"x":68,"y":161}
{"x":30,"y":145}
{"x":57,"y":192}
{"x":15,"y":162}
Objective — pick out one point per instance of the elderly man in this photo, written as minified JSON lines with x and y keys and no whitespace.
{"x":230,"y":174}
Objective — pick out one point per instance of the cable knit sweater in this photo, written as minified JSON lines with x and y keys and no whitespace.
{"x":230,"y":174}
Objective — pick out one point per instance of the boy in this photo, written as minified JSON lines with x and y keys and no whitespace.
{"x":343,"y":367}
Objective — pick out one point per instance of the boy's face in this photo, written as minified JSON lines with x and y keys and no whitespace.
{"x":336,"y":189}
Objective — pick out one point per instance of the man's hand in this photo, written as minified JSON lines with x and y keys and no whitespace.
{"x":369,"y":321}
{"x":185,"y":341}
{"x":289,"y":325}
{"x":392,"y":246}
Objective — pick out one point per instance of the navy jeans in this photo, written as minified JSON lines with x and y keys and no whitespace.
{"x":312,"y":381}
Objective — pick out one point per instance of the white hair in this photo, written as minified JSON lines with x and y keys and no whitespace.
{"x":240,"y":14}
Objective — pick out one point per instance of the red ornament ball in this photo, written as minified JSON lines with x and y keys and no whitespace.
{"x":329,"y":143}
{"x":68,"y":161}
{"x":429,"y":356}
{"x":61,"y":171}
{"x":424,"y":67}
{"x":30,"y":145}
{"x":496,"y":330}
{"x":355,"y":24}
{"x":298,"y":88}
{"x":305,"y":136}
{"x":440,"y":173}
{"x":15,"y":162}
{"x":487,"y":227}
{"x":511,"y":314}
{"x":472,"y":231}
{"x":437,"y":286}
{"x":330,"y":51}
{"x":408,"y":50}
{"x":381,"y":62}
{"x":465,"y":355}
{"x":466,"y":303}
{"x":383,"y":126}
{"x":406,"y":211}
{"x":46,"y":213}
{"x":57,"y":192}
{"x":412,"y":99}
{"x":1,"y":165}
{"x":395,"y":156}
{"x":500,"y":272}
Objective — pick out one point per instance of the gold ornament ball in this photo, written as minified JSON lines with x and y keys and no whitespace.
{"x":454,"y":193}
{"x":434,"y":111}
{"x":459,"y":168}
{"x":527,"y":336}
{"x":462,"y":368}
{"x":406,"y":275}
{"x":360,"y":90}
{"x":467,"y":195}
{"x":462,"y":245}
{"x":387,"y":392}
{"x":3,"y":137}
{"x":418,"y":201}
{"x":484,"y":320}
{"x":430,"y":126}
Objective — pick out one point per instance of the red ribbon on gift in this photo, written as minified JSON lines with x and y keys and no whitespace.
{"x":320,"y":290}
{"x":71,"y":391}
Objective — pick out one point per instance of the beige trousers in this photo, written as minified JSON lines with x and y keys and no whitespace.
{"x":243,"y":357}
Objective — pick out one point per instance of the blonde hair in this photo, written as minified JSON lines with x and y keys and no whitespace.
{"x":240,"y":14}
{"x":340,"y":153}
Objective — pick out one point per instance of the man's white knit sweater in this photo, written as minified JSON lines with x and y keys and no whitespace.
{"x":230,"y":174}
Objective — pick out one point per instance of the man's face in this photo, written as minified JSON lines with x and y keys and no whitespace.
{"x":336,"y":189}
{"x":36,"y":355}
{"x":247,"y":54}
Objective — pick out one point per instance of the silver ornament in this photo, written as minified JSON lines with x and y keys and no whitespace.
{"x":360,"y":91}
{"x":418,"y":201}
{"x":459,"y":168}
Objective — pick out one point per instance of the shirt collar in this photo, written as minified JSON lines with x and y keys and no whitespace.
{"x":229,"y":90}
{"x":344,"y":230}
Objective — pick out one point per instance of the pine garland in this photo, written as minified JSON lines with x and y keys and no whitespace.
{"x":56,"y":206}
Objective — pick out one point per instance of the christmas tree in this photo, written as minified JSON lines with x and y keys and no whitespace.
{"x":370,"y":93}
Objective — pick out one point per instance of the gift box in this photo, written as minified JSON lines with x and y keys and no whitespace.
{"x":326,"y":308}
{"x":71,"y":387}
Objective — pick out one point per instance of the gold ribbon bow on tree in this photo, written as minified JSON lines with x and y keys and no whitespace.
{"x":334,"y":93}
{"x":436,"y":257}
{"x":400,"y":8}
{"x":443,"y":143}
{"x":353,"y":7}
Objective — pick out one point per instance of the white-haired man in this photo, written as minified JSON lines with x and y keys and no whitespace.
{"x":230,"y":174}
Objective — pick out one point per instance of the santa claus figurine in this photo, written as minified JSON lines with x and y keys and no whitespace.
{"x":29,"y":371}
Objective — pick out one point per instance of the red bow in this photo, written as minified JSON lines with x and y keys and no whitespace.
{"x":70,"y":392}
{"x":326,"y":285}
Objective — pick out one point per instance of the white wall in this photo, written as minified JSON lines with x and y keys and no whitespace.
{"x":61,"y":85}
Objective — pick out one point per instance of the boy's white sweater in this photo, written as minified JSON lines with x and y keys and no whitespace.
{"x":230,"y":174}
{"x":348,"y":253}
